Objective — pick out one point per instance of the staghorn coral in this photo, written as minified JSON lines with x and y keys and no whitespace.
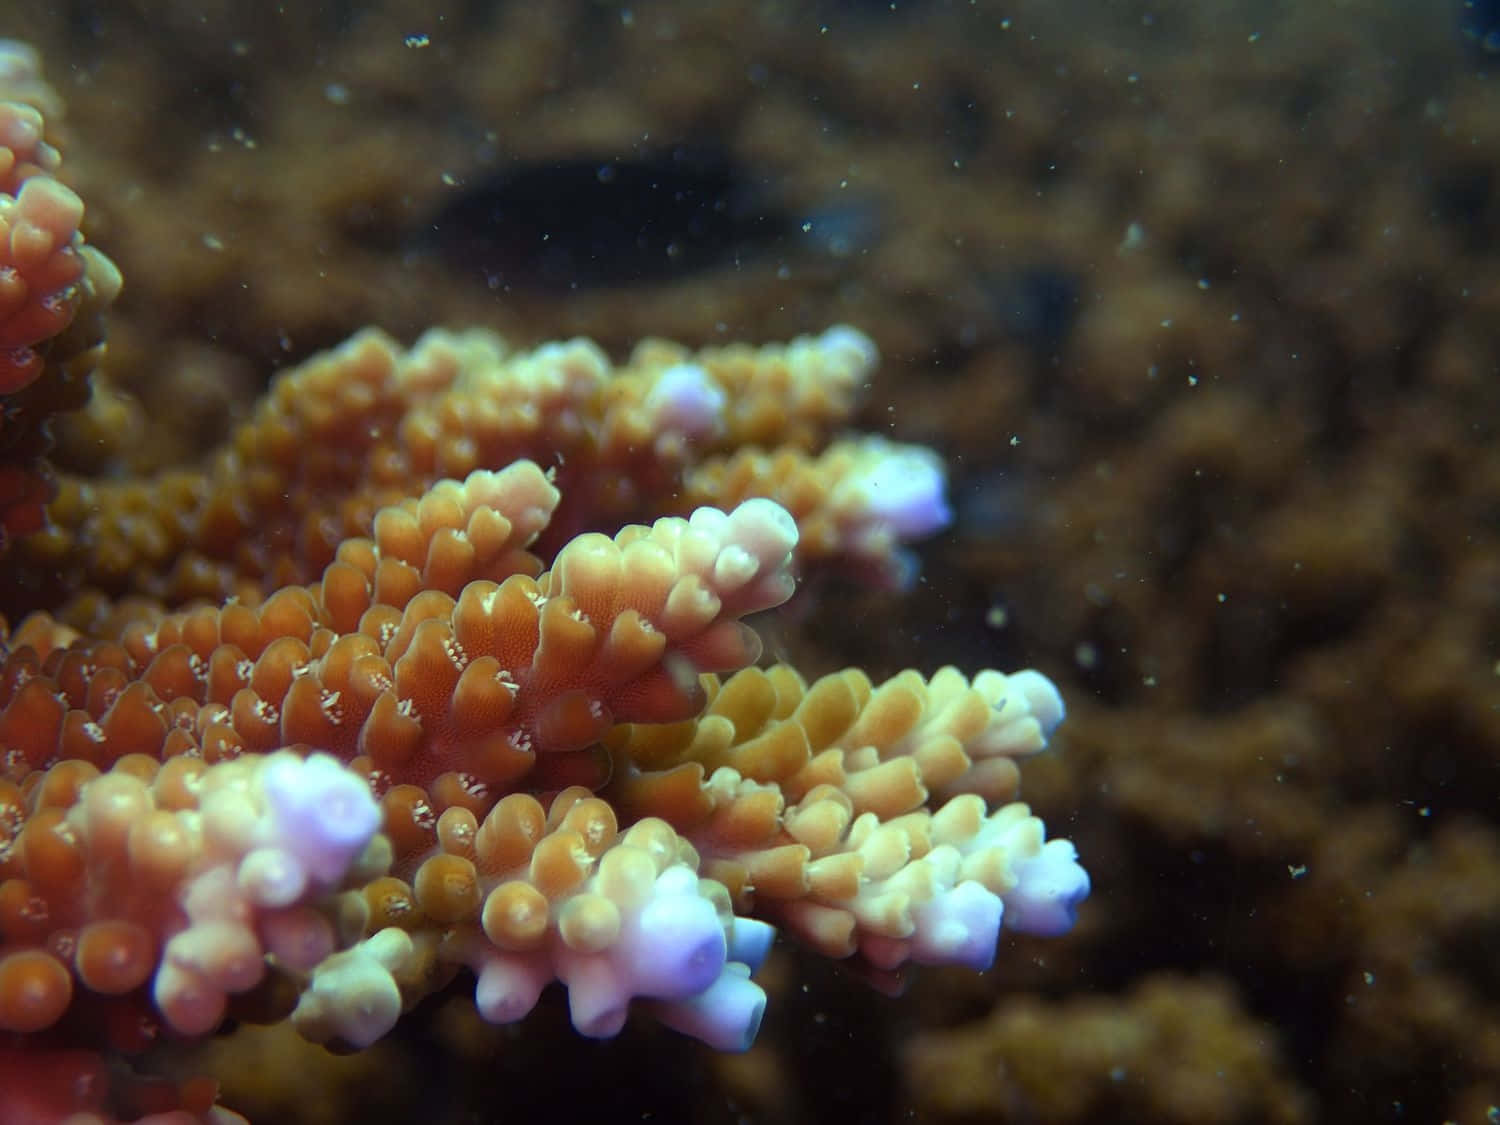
{"x":369,"y":423}
{"x":454,"y":711}
{"x":410,"y":718}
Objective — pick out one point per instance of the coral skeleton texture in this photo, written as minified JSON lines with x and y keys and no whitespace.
{"x":362,"y":703}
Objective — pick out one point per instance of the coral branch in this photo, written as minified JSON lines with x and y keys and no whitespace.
{"x":368,"y":424}
{"x":451,"y":685}
{"x":53,"y":291}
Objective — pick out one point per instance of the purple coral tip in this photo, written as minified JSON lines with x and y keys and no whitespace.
{"x":726,"y":1015}
{"x":1049,"y":887}
{"x":749,"y":941}
{"x":959,"y":927}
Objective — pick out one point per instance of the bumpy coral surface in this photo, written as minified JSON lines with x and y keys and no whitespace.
{"x":393,"y":714}
{"x":162,"y":852}
{"x":49,"y":279}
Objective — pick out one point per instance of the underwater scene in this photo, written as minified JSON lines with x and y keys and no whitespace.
{"x":749,"y":563}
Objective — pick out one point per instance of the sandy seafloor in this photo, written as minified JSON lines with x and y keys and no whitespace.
{"x":1200,"y":301}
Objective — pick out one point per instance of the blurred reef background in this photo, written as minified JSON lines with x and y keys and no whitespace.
{"x":1199,"y":301}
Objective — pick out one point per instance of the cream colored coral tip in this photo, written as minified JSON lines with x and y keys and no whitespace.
{"x":230,"y":820}
{"x":112,"y":803}
{"x":51,"y":205}
{"x":848,"y":339}
{"x":655,"y":838}
{"x":690,"y":603}
{"x":589,"y":923}
{"x":626,"y":875}
{"x":763,"y":525}
{"x":271,"y":877}
{"x":734,"y":567}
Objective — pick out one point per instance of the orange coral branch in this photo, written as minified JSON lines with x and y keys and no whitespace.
{"x":53,"y":290}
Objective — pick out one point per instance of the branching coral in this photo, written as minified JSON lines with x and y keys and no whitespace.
{"x":409,"y":717}
{"x":370,"y":423}
{"x":53,"y":291}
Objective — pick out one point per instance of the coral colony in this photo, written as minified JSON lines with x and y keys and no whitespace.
{"x":409,"y":716}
